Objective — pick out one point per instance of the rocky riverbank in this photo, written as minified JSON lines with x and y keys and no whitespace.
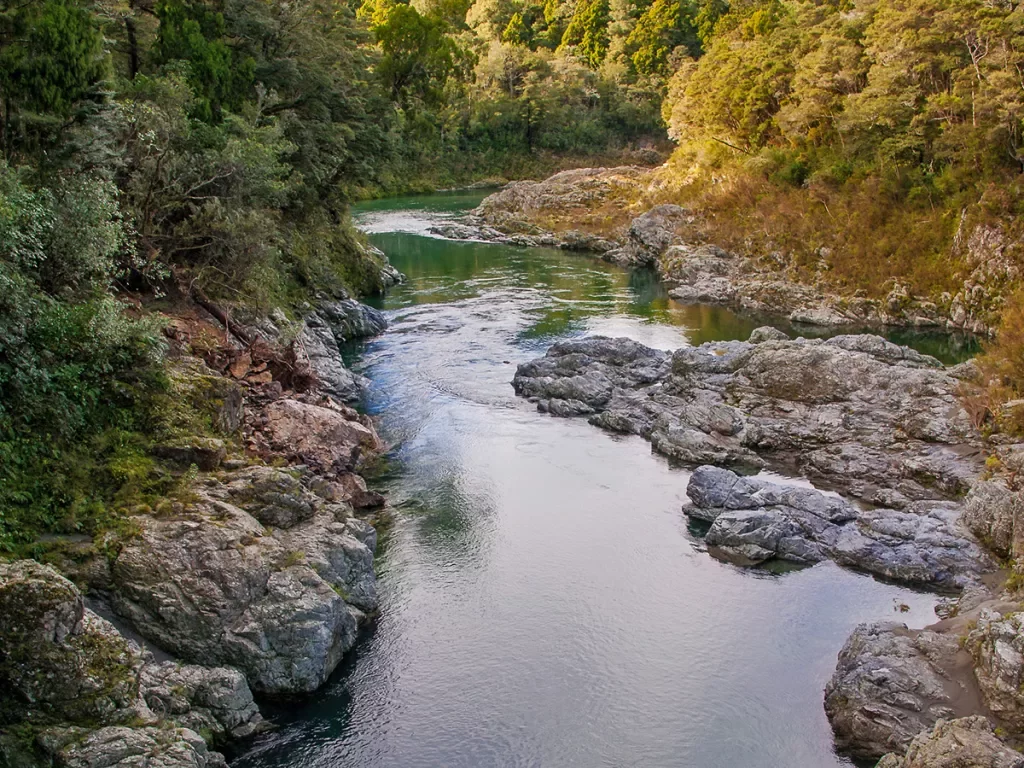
{"x":885,"y":427}
{"x":254,"y":576}
{"x":603,"y":211}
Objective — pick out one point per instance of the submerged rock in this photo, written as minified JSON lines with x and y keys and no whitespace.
{"x":965,"y":743}
{"x":753,"y":520}
{"x":877,"y":420}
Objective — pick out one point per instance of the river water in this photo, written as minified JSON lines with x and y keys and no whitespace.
{"x":543,"y":600}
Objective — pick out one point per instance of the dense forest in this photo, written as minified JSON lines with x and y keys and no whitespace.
{"x":211,"y":147}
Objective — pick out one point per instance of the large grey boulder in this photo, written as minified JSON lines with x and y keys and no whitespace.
{"x":321,"y":349}
{"x":212,"y":700}
{"x":891,"y":684}
{"x":964,"y":743}
{"x":333,"y":324}
{"x":995,"y":514}
{"x":349,"y":319}
{"x":649,"y":234}
{"x":212,"y":585}
{"x":875,"y":420}
{"x":754,"y":520}
{"x":122,"y":747}
{"x":59,"y":660}
{"x":997,"y":647}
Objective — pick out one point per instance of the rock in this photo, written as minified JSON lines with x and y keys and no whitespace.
{"x":964,"y":743}
{"x":211,"y":586}
{"x":767,"y":333}
{"x":997,"y":646}
{"x":211,"y":700}
{"x":217,"y":397}
{"x":121,"y":747}
{"x":890,"y":684}
{"x":324,"y":437}
{"x":649,"y":235}
{"x":754,"y":520}
{"x":349,"y":319}
{"x":321,"y":348}
{"x":206,"y":453}
{"x":59,"y":660}
{"x":878,"y":421}
{"x":275,"y":497}
{"x":995,"y":514}
{"x":351,"y":488}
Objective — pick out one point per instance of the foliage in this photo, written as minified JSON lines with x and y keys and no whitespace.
{"x":51,"y":60}
{"x":75,"y":368}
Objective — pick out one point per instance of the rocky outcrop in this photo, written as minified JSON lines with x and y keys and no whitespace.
{"x":211,"y":584}
{"x":891,"y":684}
{"x":753,"y":520}
{"x":335,"y":323}
{"x":965,"y":743}
{"x":518,"y":205}
{"x":91,"y":698}
{"x":879,"y":421}
{"x":59,"y":661}
{"x":995,"y":514}
{"x":216,"y":701}
{"x":567,"y":210}
{"x":122,"y":747}
{"x":997,"y":646}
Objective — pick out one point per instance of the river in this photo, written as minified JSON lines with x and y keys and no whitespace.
{"x":543,"y":600}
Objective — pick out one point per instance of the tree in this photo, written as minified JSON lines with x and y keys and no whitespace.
{"x":587,"y":32}
{"x":192,"y":31}
{"x":51,"y":62}
{"x":664,"y":26}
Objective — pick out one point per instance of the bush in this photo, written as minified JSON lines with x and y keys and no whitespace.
{"x":75,"y":368}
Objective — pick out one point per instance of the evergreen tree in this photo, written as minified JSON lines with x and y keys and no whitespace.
{"x":587,"y":32}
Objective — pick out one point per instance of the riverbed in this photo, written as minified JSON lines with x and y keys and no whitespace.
{"x":543,"y":600}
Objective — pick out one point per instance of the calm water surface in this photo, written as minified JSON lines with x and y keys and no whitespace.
{"x":544,"y":602}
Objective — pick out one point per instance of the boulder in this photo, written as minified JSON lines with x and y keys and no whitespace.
{"x":767,"y":333}
{"x":875,"y":420}
{"x":324,"y":437}
{"x":275,"y":497}
{"x":995,"y":514}
{"x":59,"y":660}
{"x":754,"y":520}
{"x":964,"y":743}
{"x":122,"y":747}
{"x":997,"y":646}
{"x":213,"y":586}
{"x":890,"y":684}
{"x":213,"y":700}
{"x":321,"y":349}
{"x":650,"y":234}
{"x":349,"y":319}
